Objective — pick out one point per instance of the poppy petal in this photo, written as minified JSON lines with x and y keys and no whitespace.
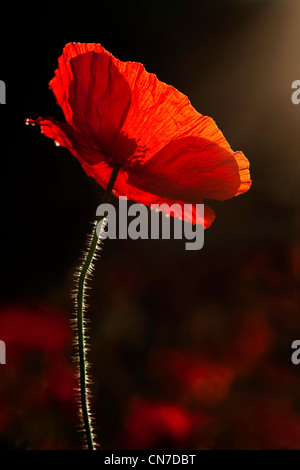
{"x":63,"y":74}
{"x":95,"y":165}
{"x":92,"y":160}
{"x":170,"y":206}
{"x":100,"y":98}
{"x":192,"y":168}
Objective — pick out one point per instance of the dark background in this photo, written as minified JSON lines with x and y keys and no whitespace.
{"x":233,"y":306}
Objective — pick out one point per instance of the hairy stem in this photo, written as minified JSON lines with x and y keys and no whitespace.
{"x":84,"y":274}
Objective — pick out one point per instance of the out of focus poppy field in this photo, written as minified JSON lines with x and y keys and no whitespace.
{"x":188,"y":349}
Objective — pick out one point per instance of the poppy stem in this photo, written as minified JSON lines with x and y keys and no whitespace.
{"x":84,"y":273}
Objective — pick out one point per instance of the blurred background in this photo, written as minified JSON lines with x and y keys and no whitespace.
{"x":189,"y":349}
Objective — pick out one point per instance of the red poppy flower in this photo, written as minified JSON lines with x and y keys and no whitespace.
{"x":38,"y":328}
{"x":37,"y":402}
{"x":117,"y":113}
{"x":152,"y":425}
{"x":196,"y":377}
